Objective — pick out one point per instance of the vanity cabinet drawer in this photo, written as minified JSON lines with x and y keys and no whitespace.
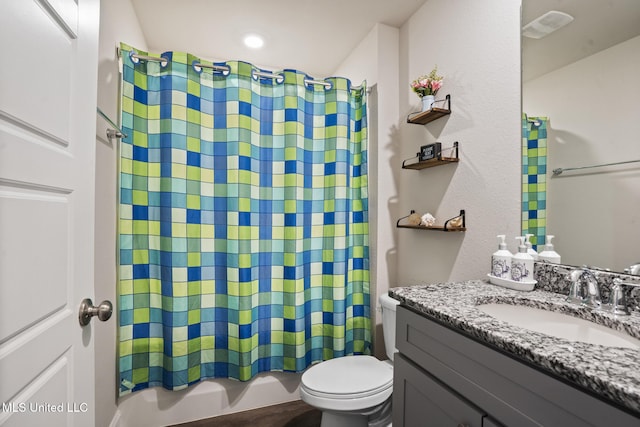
{"x":512,"y":392}
{"x":419,"y":400}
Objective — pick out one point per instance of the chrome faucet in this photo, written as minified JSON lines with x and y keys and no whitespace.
{"x":633,"y":269}
{"x":584,"y":288}
{"x":618,"y":301}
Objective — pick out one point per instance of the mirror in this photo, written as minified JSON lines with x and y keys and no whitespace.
{"x":584,"y":79}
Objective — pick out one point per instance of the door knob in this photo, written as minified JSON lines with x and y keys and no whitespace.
{"x":88,"y":310}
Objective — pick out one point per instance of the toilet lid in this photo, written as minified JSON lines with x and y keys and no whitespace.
{"x":349,"y":376}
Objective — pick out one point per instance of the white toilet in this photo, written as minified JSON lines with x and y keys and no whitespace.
{"x":355,"y":391}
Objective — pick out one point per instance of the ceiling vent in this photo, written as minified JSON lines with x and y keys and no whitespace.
{"x":546,"y":24}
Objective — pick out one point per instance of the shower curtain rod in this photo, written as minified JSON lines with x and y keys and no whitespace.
{"x":268,"y":75}
{"x":226,"y":68}
{"x":163,"y":62}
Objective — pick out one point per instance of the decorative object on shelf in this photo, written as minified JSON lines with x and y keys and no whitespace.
{"x":426,"y":158}
{"x":430,"y":151}
{"x":424,"y":117}
{"x":427,"y":87}
{"x":427,"y":220}
{"x":427,"y":102}
{"x":457,"y":223}
{"x":414,"y":219}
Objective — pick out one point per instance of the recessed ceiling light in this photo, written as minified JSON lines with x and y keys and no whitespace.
{"x":253,"y":41}
{"x":546,"y":24}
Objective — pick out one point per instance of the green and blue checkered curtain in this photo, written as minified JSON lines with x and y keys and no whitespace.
{"x":534,"y":178}
{"x":243,"y":230}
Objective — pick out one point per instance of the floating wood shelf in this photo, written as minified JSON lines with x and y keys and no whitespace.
{"x":434,"y":113}
{"x":445,"y":227}
{"x":430,"y":163}
{"x":423,"y":164}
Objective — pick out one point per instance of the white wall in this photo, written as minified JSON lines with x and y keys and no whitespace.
{"x":118,"y":22}
{"x":476,"y":46}
{"x":592,"y":106}
{"x":376,"y":60}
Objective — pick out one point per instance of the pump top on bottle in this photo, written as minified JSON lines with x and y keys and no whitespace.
{"x":522,"y":263}
{"x":530,"y":250}
{"x":549,"y":254}
{"x":501,"y":260}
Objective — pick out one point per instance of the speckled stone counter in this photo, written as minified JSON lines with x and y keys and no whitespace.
{"x":611,"y":372}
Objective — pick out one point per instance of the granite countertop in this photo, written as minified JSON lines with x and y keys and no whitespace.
{"x":611,"y":372}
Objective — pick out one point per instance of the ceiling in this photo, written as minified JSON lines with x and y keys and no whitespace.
{"x":597,"y":25}
{"x":313,"y":36}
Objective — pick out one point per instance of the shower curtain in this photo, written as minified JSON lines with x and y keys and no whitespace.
{"x":534,"y":178}
{"x":243,"y":231}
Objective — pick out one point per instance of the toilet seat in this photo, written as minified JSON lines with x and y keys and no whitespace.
{"x":347,"y":383}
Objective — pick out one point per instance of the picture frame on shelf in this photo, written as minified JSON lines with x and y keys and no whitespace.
{"x":430,"y":151}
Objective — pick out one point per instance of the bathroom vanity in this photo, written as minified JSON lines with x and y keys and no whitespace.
{"x":462,"y":367}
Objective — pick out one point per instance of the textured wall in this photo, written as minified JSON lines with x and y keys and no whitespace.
{"x":376,"y":61}
{"x":476,"y":46}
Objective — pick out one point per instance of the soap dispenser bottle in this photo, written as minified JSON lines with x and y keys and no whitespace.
{"x":522,"y":263}
{"x":530,"y":250}
{"x":501,"y":260}
{"x":549,"y":254}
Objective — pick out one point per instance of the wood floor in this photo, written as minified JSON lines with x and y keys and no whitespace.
{"x":291,"y":414}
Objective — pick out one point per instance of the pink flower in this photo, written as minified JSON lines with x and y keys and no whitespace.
{"x":428,"y":84}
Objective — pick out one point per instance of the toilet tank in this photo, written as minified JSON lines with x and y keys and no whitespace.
{"x":389,"y":305}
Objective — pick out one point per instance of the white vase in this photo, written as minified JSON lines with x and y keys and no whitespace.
{"x":427,"y":100}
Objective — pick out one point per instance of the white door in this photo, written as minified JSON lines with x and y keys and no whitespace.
{"x":48,"y":80}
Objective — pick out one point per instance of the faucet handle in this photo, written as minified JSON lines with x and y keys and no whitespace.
{"x":618,"y":300}
{"x":633,"y":269}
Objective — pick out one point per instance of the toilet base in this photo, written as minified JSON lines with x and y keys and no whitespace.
{"x":332,"y":419}
{"x":380,"y":416}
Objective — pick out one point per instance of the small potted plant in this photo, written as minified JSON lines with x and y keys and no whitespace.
{"x":427,"y":86}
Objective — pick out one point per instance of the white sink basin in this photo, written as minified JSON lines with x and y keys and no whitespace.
{"x":559,"y":325}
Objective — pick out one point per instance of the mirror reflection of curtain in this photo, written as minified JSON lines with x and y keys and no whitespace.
{"x":534,"y":178}
{"x":243,"y":223}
